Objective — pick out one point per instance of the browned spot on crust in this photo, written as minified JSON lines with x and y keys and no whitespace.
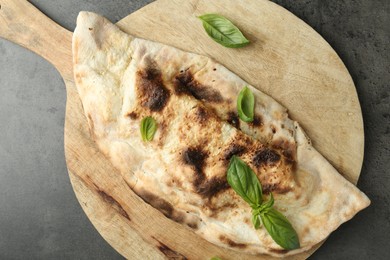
{"x":257,"y":121}
{"x":79,"y":77}
{"x":150,"y":89}
{"x":192,"y":225}
{"x":196,"y":157}
{"x":90,"y":29}
{"x":279,"y":251}
{"x":168,"y":252}
{"x":233,"y":119}
{"x":133,"y":115}
{"x":186,"y":84}
{"x":273,"y":129}
{"x":288,"y":149}
{"x":174,"y":182}
{"x":202,"y":114}
{"x":212,"y":186}
{"x":230,"y":242}
{"x":265,"y":156}
{"x":163,"y":129}
{"x":115,"y":204}
{"x":215,"y":210}
{"x":305,"y":231}
{"x":274,"y":187}
{"x":234,"y":149}
{"x":207,"y":188}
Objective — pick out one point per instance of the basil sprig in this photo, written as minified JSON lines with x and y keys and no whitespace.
{"x":243,"y":181}
{"x":246,"y":105}
{"x":246,"y":184}
{"x":223,"y":31}
{"x":280,"y":229}
{"x":148,"y":128}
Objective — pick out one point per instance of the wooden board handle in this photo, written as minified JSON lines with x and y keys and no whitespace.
{"x":22,"y":23}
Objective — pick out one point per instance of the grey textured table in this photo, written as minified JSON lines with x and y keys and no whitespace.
{"x":40,"y":217}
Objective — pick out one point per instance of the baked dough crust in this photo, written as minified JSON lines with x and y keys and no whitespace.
{"x":182,"y":172}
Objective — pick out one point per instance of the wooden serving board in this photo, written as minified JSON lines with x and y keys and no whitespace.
{"x":286,"y":59}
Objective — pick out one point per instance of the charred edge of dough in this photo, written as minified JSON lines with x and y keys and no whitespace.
{"x":215,"y":210}
{"x":274,"y":187}
{"x":133,"y":115}
{"x":234,"y":149}
{"x":168,"y":252}
{"x":196,"y":157}
{"x":151,"y":90}
{"x":109,"y":199}
{"x":206,"y":188}
{"x":202,"y":115}
{"x":233,"y":119}
{"x":266,"y":156}
{"x":185,"y":83}
{"x":279,"y":251}
{"x":257,"y":121}
{"x":230,"y":242}
{"x":211,"y":187}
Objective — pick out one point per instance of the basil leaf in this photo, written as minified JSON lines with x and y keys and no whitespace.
{"x":215,"y":258}
{"x":246,"y":105}
{"x":256,"y":220}
{"x":148,"y":128}
{"x":267,"y":205}
{"x":223,"y":31}
{"x":244,"y":182}
{"x":280,"y":229}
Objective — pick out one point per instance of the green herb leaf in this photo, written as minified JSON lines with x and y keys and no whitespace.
{"x":246,"y":184}
{"x":148,"y":128}
{"x":267,"y":205}
{"x":256,"y":219}
{"x":280,"y":229}
{"x":215,"y":258}
{"x":244,"y":181}
{"x":223,"y":31}
{"x":246,"y":105}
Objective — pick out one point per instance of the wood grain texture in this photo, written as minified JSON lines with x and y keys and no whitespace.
{"x":286,"y":59}
{"x":22,"y":23}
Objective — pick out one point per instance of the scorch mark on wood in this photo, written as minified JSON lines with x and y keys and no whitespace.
{"x":168,"y":252}
{"x":106,"y":197}
{"x":115,"y":204}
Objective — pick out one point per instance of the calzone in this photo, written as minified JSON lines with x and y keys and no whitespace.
{"x":182,"y":171}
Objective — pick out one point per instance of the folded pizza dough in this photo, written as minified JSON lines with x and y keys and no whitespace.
{"x":182,"y":171}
